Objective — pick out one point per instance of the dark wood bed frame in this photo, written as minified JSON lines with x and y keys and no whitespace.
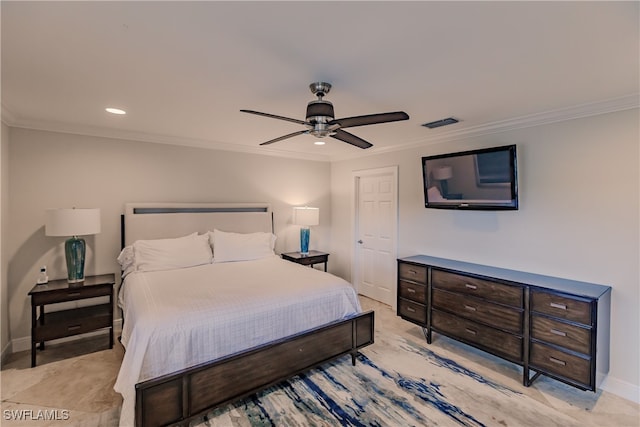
{"x":177,"y":398}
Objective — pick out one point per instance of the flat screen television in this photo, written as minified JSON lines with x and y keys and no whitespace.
{"x":484,"y":179}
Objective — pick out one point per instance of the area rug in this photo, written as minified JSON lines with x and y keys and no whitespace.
{"x":400,"y":383}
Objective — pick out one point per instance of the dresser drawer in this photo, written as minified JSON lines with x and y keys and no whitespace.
{"x":495,"y":341}
{"x":560,"y":363}
{"x":561,"y":307}
{"x":414,"y":311}
{"x":563,"y":334}
{"x":413,"y":292}
{"x":499,"y":316}
{"x":71,"y":294}
{"x":415,"y":273}
{"x":481,"y":288}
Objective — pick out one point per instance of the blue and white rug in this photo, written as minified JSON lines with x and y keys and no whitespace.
{"x":395,"y":383}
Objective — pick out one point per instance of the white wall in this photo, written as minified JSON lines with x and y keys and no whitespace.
{"x":51,"y":170}
{"x":578,"y":217}
{"x":4,"y":207}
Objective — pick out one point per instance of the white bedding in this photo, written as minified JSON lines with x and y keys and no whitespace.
{"x":175,"y":319}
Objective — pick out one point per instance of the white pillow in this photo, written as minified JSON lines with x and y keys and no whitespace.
{"x":241,"y":246}
{"x":126,"y":258}
{"x":168,"y":254}
{"x":127,"y":261}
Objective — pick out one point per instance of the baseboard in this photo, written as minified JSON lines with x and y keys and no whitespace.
{"x":6,"y":351}
{"x":24,"y":343}
{"x":621,"y":388}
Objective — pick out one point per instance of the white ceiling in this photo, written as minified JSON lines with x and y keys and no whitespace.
{"x":183,"y":70}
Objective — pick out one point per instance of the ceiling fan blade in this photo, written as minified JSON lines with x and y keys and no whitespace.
{"x":291,"y":135}
{"x":370,"y":119}
{"x":350,"y":138}
{"x":273,"y":116}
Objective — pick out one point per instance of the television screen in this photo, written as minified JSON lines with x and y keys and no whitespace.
{"x":484,"y":179}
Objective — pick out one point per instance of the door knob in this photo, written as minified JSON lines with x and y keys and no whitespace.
{"x":360,"y":241}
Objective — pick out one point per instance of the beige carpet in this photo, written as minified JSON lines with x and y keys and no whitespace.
{"x":74,"y":383}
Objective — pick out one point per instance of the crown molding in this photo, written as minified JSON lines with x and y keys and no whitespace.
{"x":162,"y":139}
{"x":611,"y":105}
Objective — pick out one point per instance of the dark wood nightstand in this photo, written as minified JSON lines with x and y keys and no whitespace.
{"x":314,"y":257}
{"x":75,"y":321}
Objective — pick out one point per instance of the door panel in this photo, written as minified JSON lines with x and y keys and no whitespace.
{"x":377,"y":228}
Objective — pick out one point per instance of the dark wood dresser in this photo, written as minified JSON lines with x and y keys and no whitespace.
{"x":551,"y":326}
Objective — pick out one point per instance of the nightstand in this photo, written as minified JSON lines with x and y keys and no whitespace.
{"x":314,"y":257}
{"x":75,"y":321}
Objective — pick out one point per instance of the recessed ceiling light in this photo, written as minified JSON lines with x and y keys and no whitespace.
{"x":319,"y":143}
{"x":115,"y":110}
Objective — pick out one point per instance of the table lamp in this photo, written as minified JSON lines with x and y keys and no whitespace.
{"x":442,"y":174}
{"x":305,"y":216}
{"x":73,"y":222}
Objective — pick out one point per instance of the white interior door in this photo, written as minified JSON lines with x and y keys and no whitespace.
{"x":376,"y":230}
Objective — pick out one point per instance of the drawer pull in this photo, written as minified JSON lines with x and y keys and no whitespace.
{"x":471,"y":331}
{"x":470,"y":286}
{"x":557,"y":332}
{"x":558,"y":361}
{"x":558,"y":305}
{"x":74,"y":294}
{"x":468,"y":307}
{"x":74,"y":328}
{"x":413,"y":272}
{"x":410,"y":310}
{"x":411,"y":290}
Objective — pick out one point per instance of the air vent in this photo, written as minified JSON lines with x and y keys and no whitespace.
{"x":438,"y":123}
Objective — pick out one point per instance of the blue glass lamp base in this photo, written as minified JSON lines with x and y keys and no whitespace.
{"x":304,"y":240}
{"x":74,"y":251}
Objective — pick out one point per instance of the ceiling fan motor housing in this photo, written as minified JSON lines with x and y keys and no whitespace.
{"x":319,"y":111}
{"x":319,"y":114}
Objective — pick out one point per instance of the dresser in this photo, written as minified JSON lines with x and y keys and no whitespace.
{"x":549,"y":326}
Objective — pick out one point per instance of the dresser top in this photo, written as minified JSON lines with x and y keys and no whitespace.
{"x":590,"y":290}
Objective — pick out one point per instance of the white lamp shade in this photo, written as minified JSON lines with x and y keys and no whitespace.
{"x":306,"y":216}
{"x":443,"y":172}
{"x":72,"y":222}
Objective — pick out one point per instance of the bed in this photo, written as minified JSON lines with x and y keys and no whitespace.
{"x":204,"y":335}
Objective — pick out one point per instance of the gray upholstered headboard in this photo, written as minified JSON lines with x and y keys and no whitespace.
{"x":168,"y":220}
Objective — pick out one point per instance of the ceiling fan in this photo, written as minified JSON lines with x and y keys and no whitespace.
{"x":320,"y":121}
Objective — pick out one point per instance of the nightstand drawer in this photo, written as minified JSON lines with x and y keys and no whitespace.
{"x":562,"y":307}
{"x":70,"y":294}
{"x":413,"y":311}
{"x":491,"y":339}
{"x":413,"y":291}
{"x":480,"y":288}
{"x":563,"y":334}
{"x":318,"y":259}
{"x":59,"y":324}
{"x":415,"y":273}
{"x":560,"y":363}
{"x":499,"y":316}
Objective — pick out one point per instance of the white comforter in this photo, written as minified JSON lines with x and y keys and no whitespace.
{"x":175,"y":319}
